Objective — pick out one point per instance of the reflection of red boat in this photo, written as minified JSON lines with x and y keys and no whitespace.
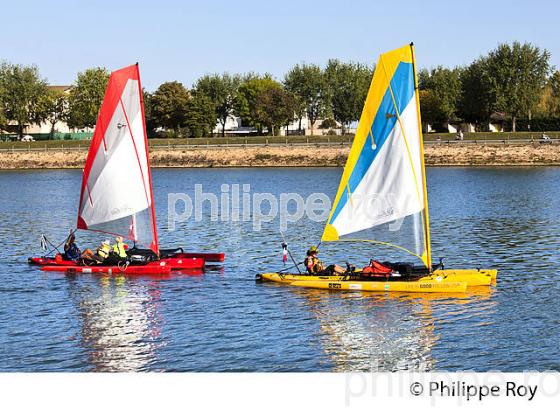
{"x":116,"y":196}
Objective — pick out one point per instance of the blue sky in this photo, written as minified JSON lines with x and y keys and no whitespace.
{"x":182,"y":40}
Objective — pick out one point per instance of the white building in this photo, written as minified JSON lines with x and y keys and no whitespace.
{"x":234,"y":126}
{"x":45,"y":126}
{"x":60,"y":126}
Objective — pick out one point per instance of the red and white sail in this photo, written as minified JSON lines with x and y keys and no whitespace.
{"x":116,"y":194}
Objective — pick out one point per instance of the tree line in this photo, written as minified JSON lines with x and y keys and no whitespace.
{"x":307,"y":90}
{"x":338,"y":92}
{"x":514,"y":80}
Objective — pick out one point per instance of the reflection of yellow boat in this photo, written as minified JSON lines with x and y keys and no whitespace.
{"x":383,"y":190}
{"x":391,"y":331}
{"x":372,"y":331}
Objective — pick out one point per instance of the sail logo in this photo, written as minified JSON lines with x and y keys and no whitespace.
{"x":376,"y":208}
{"x":116,"y":212}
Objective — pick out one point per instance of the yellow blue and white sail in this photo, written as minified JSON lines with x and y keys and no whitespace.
{"x":384,"y":178}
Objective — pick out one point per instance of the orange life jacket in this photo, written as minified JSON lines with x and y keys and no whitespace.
{"x":376,"y":268}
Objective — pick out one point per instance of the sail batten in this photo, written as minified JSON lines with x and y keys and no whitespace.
{"x":117,"y":172}
{"x":383,"y":183}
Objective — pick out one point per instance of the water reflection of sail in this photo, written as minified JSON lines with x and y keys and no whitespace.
{"x":383,"y":332}
{"x":121,"y":325}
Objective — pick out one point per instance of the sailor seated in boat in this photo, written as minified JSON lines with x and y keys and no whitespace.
{"x":314,"y":265}
{"x":100,"y":255}
{"x":71,"y":250}
{"x":118,"y":252}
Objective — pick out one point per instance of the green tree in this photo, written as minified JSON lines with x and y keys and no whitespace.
{"x":347,"y":85}
{"x":169,"y":105}
{"x":201,"y":116}
{"x":430,"y":108}
{"x":151,"y":120}
{"x":54,"y":105}
{"x":328,"y":123}
{"x":517,"y":75}
{"x":3,"y":120}
{"x":477,"y":101}
{"x":274,"y":108}
{"x":249,"y":90}
{"x":222,"y":91}
{"x":22,"y":91}
{"x":307,"y":83}
{"x":553,"y":100}
{"x":440,"y":102}
{"x":300,"y":109}
{"x":86,"y":97}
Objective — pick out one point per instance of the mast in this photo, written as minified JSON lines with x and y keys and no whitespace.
{"x":423,"y":167}
{"x":154,"y":224}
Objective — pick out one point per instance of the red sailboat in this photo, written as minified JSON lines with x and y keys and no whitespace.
{"x":116,"y":195}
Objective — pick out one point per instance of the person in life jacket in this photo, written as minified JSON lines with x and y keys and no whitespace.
{"x":103,"y":250}
{"x":101,"y":253}
{"x":119,"y":248}
{"x":71,"y":250}
{"x":314,"y":265}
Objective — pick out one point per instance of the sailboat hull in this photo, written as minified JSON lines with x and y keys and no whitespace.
{"x":473,"y":277}
{"x":470,"y":277}
{"x":208,"y":257}
{"x":162,"y":266}
{"x":424,"y":285}
{"x":131,"y":270}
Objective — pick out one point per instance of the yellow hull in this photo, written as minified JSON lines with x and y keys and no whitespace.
{"x":424,"y":285}
{"x":448,"y":280}
{"x":472,"y":277}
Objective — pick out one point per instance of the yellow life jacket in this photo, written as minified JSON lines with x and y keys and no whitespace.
{"x":103,"y":250}
{"x":118,"y":248}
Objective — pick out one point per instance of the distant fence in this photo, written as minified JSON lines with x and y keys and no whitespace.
{"x":57,"y":136}
{"x":248,"y":143}
{"x":82,"y":138}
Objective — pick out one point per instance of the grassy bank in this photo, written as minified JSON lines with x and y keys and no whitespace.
{"x":298,"y":156}
{"x":162,"y":143}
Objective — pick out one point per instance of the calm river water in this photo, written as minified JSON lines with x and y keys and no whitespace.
{"x":222,"y":321}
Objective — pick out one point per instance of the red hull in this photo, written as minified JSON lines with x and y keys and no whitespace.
{"x":161,"y":266}
{"x":131,"y":270}
{"x":183,"y":263}
{"x":208,"y":257}
{"x":50,"y":261}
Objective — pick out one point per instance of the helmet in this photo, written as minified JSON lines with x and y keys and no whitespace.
{"x":106,"y":242}
{"x":313,"y":249}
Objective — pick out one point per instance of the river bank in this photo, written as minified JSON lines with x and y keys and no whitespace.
{"x":298,"y":156}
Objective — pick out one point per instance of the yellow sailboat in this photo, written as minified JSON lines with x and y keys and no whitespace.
{"x":384,"y":185}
